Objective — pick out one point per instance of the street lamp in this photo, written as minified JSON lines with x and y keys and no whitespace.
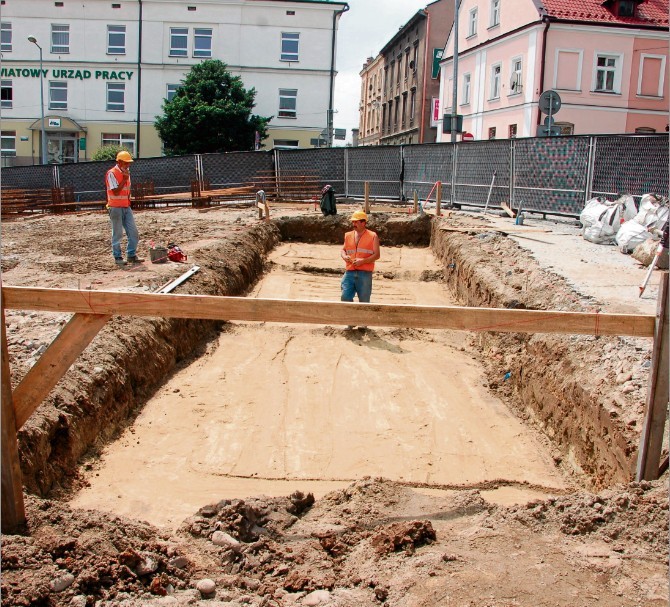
{"x":44,"y":133}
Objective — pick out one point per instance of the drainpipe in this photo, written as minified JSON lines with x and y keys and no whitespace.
{"x":425,"y":72}
{"x":139,"y":83}
{"x":545,"y":20}
{"x":331,"y":110}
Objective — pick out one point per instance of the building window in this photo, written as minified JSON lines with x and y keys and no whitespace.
{"x":495,"y":13}
{"x":406,"y":64}
{"x":116,"y":97}
{"x":644,"y":130}
{"x":492,"y":132}
{"x":466,"y":89}
{"x":6,"y":94}
{"x":608,"y":73}
{"x":58,"y":95}
{"x":404,"y":109}
{"x":412,"y":105}
{"x":8,"y":143}
{"x":127,"y":140}
{"x":399,"y":70}
{"x":116,"y":39}
{"x":651,"y":79}
{"x":472,"y":22}
{"x":515,"y":81}
{"x":511,"y":132}
{"x":286,"y":144}
{"x":172,"y":91}
{"x":566,"y":128}
{"x":290,"y":46}
{"x":6,"y":37}
{"x":202,"y":42}
{"x":495,"y":81}
{"x":396,"y":111}
{"x":415,"y":57}
{"x":288,"y":103}
{"x":178,"y":42}
{"x":60,"y":39}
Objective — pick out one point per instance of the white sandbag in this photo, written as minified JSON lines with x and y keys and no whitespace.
{"x":653,"y":213}
{"x":630,"y":235}
{"x":629,"y":210}
{"x":602,"y":218}
{"x":601,"y":232}
{"x":592,"y":211}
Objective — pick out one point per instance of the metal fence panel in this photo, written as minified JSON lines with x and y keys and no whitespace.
{"x":634,"y":165}
{"x":169,"y":174}
{"x":381,"y":166}
{"x":423,"y":166}
{"x":86,"y":178}
{"x":475,"y":165}
{"x":550,"y":174}
{"x":28,"y":177}
{"x":324,"y":164}
{"x":237,"y":168}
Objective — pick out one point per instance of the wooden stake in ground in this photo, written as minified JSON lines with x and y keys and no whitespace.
{"x":367,"y":196}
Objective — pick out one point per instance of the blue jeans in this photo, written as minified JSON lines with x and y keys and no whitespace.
{"x":356,"y":282}
{"x":122,"y":219}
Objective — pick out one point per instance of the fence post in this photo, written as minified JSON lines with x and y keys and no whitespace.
{"x":512,"y":171}
{"x":366,"y":193}
{"x":454,"y":168}
{"x":651,"y":440}
{"x":416,"y":202}
{"x":590,"y":169}
{"x":438,"y":200}
{"x":346,"y":172}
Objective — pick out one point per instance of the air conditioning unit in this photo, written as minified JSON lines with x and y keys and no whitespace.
{"x":515,"y":83}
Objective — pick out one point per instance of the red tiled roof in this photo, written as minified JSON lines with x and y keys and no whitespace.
{"x":648,"y":12}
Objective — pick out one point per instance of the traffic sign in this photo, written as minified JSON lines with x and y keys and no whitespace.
{"x":467,"y":137}
{"x":550,"y":102}
{"x":548,"y":131}
{"x":549,"y":121}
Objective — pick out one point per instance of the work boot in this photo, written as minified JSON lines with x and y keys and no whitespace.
{"x":119,"y":261}
{"x":135,"y":259}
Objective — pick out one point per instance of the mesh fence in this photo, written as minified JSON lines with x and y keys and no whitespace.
{"x":475,"y":166}
{"x":634,"y":165}
{"x":423,"y":166}
{"x":550,"y":174}
{"x":380,"y":166}
{"x":325,"y":166}
{"x":236,"y":169}
{"x":28,"y":177}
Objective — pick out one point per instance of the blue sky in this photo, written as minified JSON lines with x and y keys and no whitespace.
{"x":363,"y":31}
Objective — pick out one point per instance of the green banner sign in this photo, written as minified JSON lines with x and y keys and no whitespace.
{"x":437,"y":57}
{"x":65,"y":74}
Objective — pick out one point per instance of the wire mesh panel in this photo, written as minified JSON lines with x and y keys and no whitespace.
{"x":381,"y":166}
{"x":236,"y":168}
{"x":635,"y":165}
{"x":169,"y":174}
{"x":28,"y":177}
{"x":326,"y":165}
{"x":550,"y":174}
{"x":423,"y":166}
{"x":87,"y":179}
{"x":475,"y":164}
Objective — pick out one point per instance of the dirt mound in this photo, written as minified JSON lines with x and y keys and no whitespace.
{"x":373,"y":542}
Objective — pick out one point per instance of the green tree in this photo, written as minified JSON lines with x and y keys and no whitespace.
{"x":108,"y":152}
{"x":211,"y":112}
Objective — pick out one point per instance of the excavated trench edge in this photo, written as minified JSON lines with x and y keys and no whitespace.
{"x":138,"y":354}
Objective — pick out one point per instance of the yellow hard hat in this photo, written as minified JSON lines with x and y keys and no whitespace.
{"x":124,"y":155}
{"x":359,"y":216}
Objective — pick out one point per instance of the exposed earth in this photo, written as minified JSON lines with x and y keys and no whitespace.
{"x":540,"y":512}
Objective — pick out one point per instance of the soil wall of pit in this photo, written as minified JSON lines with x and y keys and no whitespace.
{"x":550,"y":378}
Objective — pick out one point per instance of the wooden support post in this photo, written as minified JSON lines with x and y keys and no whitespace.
{"x":651,"y":440}
{"x":367,"y":196}
{"x":416,"y":202}
{"x":56,"y":360}
{"x":13,"y":509}
{"x":438,"y":200}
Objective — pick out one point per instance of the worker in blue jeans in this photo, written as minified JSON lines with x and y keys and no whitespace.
{"x":359,"y":252}
{"x":117,"y":184}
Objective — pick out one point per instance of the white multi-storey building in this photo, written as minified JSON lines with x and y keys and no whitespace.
{"x":107,"y":66}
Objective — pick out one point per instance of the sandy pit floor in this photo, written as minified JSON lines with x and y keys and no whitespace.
{"x":275,"y":408}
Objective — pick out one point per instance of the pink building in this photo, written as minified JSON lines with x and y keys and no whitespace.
{"x":608,"y":61}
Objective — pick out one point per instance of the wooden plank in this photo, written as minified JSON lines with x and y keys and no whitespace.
{"x":651,"y":439}
{"x":366,"y":197}
{"x":13,"y":509}
{"x":438,"y":200}
{"x":333,"y":313}
{"x":507,"y":210}
{"x":56,"y":360}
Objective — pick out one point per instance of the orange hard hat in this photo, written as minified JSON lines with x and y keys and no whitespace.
{"x":359,"y":216}
{"x":124,"y":156}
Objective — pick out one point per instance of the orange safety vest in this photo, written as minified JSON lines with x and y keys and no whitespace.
{"x":122,"y":199}
{"x":364,"y":249}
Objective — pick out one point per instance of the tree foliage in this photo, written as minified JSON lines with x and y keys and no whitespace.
{"x":210,"y":112}
{"x":108,"y":152}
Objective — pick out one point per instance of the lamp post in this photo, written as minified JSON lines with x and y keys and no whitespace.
{"x":44,"y":133}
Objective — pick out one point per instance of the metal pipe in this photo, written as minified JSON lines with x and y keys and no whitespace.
{"x":331,"y":110}
{"x":44,"y":133}
{"x":139,"y":84}
{"x":454,"y":107}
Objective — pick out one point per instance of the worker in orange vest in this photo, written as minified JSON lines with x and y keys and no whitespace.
{"x":117,"y":184}
{"x":359,"y":252}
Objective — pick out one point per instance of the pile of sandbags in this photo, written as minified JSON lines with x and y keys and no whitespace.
{"x":601,"y":218}
{"x":647,"y":223}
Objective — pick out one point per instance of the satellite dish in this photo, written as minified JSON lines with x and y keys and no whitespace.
{"x":550,"y":102}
